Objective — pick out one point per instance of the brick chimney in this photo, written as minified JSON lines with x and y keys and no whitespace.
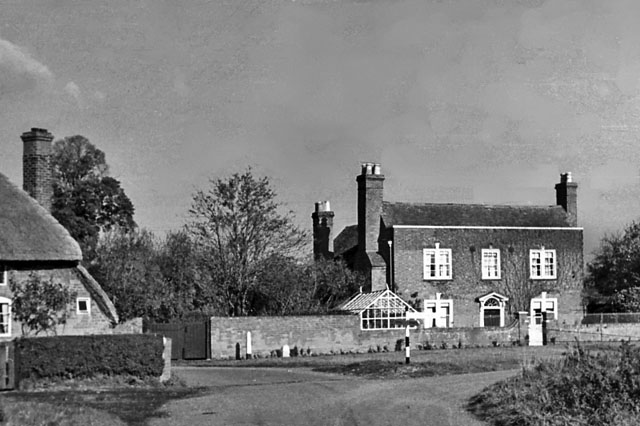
{"x":36,"y":166}
{"x":322,"y":230}
{"x":567,"y":197}
{"x":370,"y":192}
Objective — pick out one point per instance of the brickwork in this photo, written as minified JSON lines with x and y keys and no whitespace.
{"x":467,"y":283}
{"x":370,"y":193}
{"x":37,"y":166}
{"x":336,"y":333}
{"x":77,"y":324}
{"x":322,"y":219}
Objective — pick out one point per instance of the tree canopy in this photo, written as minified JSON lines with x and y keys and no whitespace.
{"x":613,"y":276}
{"x":86,"y":200}
{"x":239,"y":224}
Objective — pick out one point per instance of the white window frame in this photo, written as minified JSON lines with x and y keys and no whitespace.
{"x":438,"y":313}
{"x":539,"y":268}
{"x":5,"y":317}
{"x":87,"y":300}
{"x":442,"y":269}
{"x":488,"y":268}
{"x":3,"y":275}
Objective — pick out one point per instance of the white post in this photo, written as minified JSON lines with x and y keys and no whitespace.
{"x":407,"y":346}
{"x":248,"y":345}
{"x":285,"y":351}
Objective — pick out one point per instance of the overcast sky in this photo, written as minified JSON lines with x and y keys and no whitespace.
{"x":460,"y":101}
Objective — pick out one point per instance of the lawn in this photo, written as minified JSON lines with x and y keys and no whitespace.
{"x":121,"y":403}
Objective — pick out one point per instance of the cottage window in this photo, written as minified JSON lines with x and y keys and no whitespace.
{"x":490,"y":264}
{"x":83,"y":306}
{"x":437,"y":263}
{"x":543,"y":263}
{"x":5,"y":317}
{"x":388,"y":312}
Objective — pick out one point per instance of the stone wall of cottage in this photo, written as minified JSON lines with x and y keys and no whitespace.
{"x":77,"y":324}
{"x":467,"y":283}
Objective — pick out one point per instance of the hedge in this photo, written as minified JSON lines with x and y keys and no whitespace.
{"x":138,"y":355}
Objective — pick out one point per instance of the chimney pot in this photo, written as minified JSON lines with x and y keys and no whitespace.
{"x":376,"y":169}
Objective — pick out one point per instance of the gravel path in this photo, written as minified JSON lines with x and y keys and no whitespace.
{"x":273,"y":396}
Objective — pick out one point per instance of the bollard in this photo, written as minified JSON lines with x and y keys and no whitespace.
{"x":407,"y":346}
{"x":248,"y":345}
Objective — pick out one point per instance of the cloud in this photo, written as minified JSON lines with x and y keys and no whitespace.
{"x":19,"y":71}
{"x":73,"y":90}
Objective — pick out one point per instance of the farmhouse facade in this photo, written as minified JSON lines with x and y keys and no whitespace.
{"x":462,"y":265}
{"x":34,"y":246}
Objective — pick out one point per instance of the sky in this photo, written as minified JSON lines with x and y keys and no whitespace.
{"x":472,"y":101}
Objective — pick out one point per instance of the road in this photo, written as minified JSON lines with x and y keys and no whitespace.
{"x":273,"y":396}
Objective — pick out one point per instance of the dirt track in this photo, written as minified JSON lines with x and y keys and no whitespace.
{"x":248,"y":396}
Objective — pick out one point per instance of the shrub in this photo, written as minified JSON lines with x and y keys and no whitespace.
{"x":581,"y":389}
{"x":138,"y":355}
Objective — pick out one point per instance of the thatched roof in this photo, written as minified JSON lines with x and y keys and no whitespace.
{"x":28,"y":232}
{"x":98,"y":294}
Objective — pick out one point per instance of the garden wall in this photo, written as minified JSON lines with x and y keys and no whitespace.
{"x":339,"y":333}
{"x":595,"y":332}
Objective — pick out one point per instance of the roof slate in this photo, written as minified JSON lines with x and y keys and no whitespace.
{"x":473,"y":215}
{"x":28,"y":232}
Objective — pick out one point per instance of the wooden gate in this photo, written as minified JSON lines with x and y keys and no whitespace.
{"x":7,"y":366}
{"x":189,"y":340}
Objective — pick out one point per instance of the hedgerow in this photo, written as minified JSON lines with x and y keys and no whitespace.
{"x":137,"y":355}
{"x":582,"y":389}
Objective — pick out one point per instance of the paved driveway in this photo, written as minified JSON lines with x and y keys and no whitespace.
{"x":273,"y":396}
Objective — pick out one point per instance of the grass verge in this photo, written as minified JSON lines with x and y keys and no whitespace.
{"x":84,"y":403}
{"x":597,"y":387}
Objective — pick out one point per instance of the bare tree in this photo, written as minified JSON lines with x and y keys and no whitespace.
{"x":239,"y":224}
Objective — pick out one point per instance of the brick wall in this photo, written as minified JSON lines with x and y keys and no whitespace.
{"x":336,"y":333}
{"x":467,"y":284}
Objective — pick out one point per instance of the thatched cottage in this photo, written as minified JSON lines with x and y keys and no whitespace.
{"x":33,"y":243}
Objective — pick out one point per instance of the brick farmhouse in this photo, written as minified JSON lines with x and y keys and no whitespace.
{"x":458,"y":265}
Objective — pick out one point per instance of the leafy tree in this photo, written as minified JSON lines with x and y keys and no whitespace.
{"x":288,"y":286}
{"x":613,"y":275}
{"x":185,"y":278}
{"x":126,"y":268}
{"x":86,"y":200}
{"x":237,"y":222}
{"x":40,"y":305}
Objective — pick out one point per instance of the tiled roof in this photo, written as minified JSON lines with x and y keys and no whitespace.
{"x":473,"y":215}
{"x":28,"y":231}
{"x":346,"y":240}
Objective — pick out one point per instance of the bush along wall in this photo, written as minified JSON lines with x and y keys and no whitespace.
{"x":81,"y":357}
